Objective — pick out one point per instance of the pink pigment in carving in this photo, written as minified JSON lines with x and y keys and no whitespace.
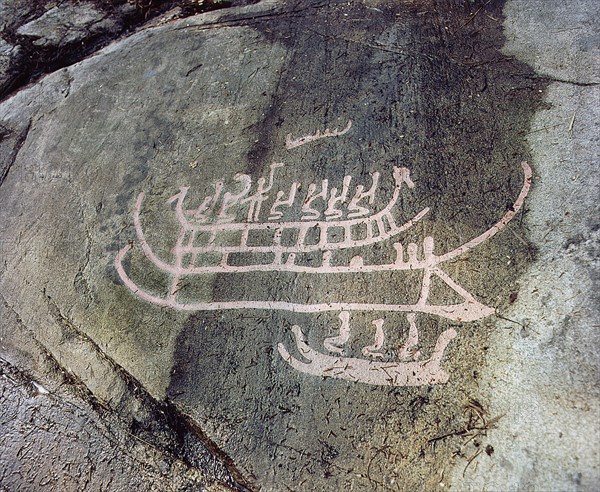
{"x":291,"y":143}
{"x":344,"y":214}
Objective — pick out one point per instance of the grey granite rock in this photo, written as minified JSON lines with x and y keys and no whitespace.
{"x":68,"y":24}
{"x":13,"y":13}
{"x":10,"y":60}
{"x":543,"y":367}
{"x":193,"y":367}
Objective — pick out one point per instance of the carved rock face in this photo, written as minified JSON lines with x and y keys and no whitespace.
{"x":145,"y":204}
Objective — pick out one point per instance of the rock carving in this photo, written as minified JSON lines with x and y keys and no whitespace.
{"x":330,"y":221}
{"x":291,"y":143}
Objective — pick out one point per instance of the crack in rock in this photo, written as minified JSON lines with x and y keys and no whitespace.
{"x":18,"y":144}
{"x":157,"y":424}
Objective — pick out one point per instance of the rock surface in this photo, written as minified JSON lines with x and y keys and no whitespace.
{"x":10,"y":59}
{"x":14,"y":13}
{"x":543,"y":372}
{"x":54,"y":440}
{"x":44,"y":35}
{"x":61,"y":26}
{"x":188,"y":381}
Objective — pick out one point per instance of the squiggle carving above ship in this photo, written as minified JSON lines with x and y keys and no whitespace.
{"x":277,"y":245}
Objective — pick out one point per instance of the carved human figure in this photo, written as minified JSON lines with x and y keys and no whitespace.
{"x":335,"y":200}
{"x":336,"y":343}
{"x":375,"y":349}
{"x":206,"y":208}
{"x":310,"y":213}
{"x":255,"y":201}
{"x":356,"y":210}
{"x":275,"y":213}
{"x":230,"y":200}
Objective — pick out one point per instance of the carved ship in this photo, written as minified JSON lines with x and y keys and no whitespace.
{"x":208,"y":240}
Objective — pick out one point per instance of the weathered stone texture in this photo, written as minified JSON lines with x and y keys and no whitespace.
{"x":44,"y":35}
{"x":10,"y":59}
{"x":202,"y":398}
{"x":69,"y":24}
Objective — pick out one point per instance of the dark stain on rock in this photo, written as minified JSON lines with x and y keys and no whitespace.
{"x":427,"y":87}
{"x":132,"y":179}
{"x":259,"y":154}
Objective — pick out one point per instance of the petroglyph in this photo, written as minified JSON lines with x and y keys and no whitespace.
{"x":291,"y":143}
{"x":323,"y":211}
{"x":414,"y":373}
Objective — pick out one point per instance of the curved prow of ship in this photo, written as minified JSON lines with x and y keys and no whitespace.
{"x":498,"y":226}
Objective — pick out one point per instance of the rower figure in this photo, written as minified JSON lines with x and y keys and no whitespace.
{"x":260,"y":196}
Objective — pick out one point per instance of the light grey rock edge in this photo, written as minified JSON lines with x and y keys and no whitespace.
{"x":542,"y":371}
